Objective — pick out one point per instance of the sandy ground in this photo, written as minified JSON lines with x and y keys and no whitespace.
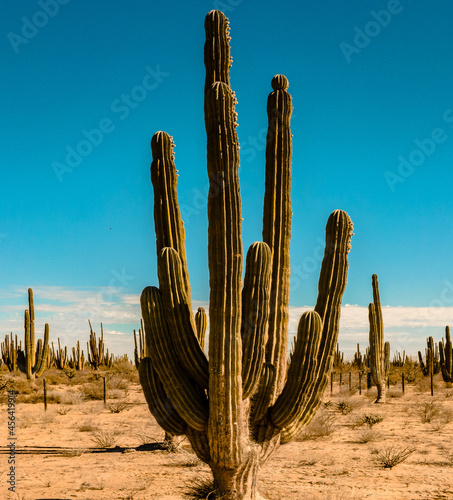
{"x":59,"y":459}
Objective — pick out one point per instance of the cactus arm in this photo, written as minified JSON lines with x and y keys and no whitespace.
{"x":101,"y":346}
{"x":225,"y":278}
{"x":32,"y":338}
{"x":43,"y":351}
{"x":180,"y":320}
{"x":277,"y":223}
{"x":137,"y":358}
{"x":290,"y":405}
{"x":27,"y":348}
{"x":446,"y":357}
{"x":217,"y":58}
{"x":331,"y":287}
{"x":263,"y":397}
{"x":187,"y":397}
{"x":200,"y":444}
{"x":158,"y":402}
{"x":375,"y":346}
{"x":255,"y":313}
{"x":167,"y":216}
{"x":386,"y":359}
{"x":201,"y":322}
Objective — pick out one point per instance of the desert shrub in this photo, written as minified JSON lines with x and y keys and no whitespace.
{"x":369,"y":420}
{"x":117,"y":407}
{"x":117,"y":382}
{"x":392,"y":393}
{"x":103,"y":439}
{"x":201,"y":489}
{"x":95,"y":391}
{"x":344,"y":407}
{"x":390,"y":457}
{"x":126,"y":370}
{"x":367,"y":436}
{"x":87,"y":427}
{"x":63,"y":410}
{"x":320,"y":426}
{"x":428,"y":411}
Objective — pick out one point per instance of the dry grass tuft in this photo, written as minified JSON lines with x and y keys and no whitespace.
{"x":390,"y":457}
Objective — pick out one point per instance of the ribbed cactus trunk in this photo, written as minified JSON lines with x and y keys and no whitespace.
{"x":446,"y":357}
{"x":33,"y":359}
{"x":379,"y":355}
{"x":237,"y":407}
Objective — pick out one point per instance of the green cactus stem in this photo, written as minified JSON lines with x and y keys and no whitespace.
{"x":238,"y":404}
{"x":139,"y":348}
{"x":95,"y":349}
{"x":33,"y":359}
{"x":78,"y":358}
{"x":379,"y":356}
{"x":60,"y":356}
{"x":432,"y":363}
{"x":9,"y":350}
{"x":446,"y":357}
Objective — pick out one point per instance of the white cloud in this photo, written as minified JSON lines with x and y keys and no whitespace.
{"x":67,"y":311}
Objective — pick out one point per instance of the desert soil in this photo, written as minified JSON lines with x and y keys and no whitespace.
{"x":59,"y":459}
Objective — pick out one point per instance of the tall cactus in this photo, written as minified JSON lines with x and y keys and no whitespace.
{"x":10,"y":349}
{"x":60,"y":356}
{"x":33,"y":359}
{"x":95,"y":350}
{"x":431,"y":364}
{"x":379,"y":355}
{"x":446,"y":357}
{"x":358,"y":359}
{"x":78,"y":358}
{"x":236,"y":408}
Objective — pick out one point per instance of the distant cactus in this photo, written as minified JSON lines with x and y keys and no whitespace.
{"x":33,"y":359}
{"x":358,"y":359}
{"x":10,"y":348}
{"x":60,"y":356}
{"x":431,"y":363}
{"x":95,"y":350}
{"x":446,"y":357}
{"x":236,"y":408}
{"x":78,"y":358}
{"x":398,"y":359}
{"x":379,"y":355}
{"x":338,"y":358}
{"x":139,"y":347}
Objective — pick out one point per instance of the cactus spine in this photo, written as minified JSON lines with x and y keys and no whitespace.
{"x":33,"y":359}
{"x":379,"y":354}
{"x":446,"y":357}
{"x":236,"y":408}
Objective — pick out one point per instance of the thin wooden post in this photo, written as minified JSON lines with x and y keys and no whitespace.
{"x":341,"y":380}
{"x":105,"y":392}
{"x":350,"y":381}
{"x":402,"y":381}
{"x":331,"y":382}
{"x":45,"y":394}
{"x":360,"y":383}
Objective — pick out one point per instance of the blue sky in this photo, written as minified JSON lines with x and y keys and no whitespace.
{"x":373,"y":135}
